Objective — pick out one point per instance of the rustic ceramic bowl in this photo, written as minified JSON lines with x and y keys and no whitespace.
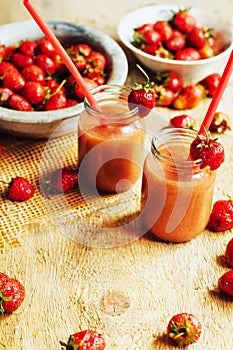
{"x":191,"y":71}
{"x":56,"y":123}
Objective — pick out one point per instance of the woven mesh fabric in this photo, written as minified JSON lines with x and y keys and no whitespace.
{"x":34,"y":160}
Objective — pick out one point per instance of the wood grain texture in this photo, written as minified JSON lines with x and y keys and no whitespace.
{"x":127,"y":292}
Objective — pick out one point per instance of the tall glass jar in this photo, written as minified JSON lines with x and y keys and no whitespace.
{"x":110,"y":141}
{"x":176,"y":192}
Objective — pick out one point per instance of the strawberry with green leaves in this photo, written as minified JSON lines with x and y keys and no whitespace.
{"x":85,"y":340}
{"x":184,"y":329}
{"x":208,"y":150}
{"x":12,"y":294}
{"x":142,"y":96}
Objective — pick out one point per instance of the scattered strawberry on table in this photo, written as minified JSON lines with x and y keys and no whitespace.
{"x":210,"y":151}
{"x":210,"y":83}
{"x":225,"y":283}
{"x":85,"y":340}
{"x":29,"y":68}
{"x":179,"y":38}
{"x":61,"y":180}
{"x":221,"y":217}
{"x":20,"y":189}
{"x":183,"y":121}
{"x":220,"y":123}
{"x":184,"y":329}
{"x":12,"y":294}
{"x":229,"y":253}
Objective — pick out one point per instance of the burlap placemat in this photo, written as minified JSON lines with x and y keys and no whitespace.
{"x":34,"y":160}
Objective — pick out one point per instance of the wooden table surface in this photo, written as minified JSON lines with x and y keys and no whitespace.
{"x":126,"y":290}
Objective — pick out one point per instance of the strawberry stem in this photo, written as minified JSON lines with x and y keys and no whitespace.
{"x":143,"y":72}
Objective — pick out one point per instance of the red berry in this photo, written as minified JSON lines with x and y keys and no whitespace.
{"x":34,"y":92}
{"x":225,"y":283}
{"x":184,"y":329}
{"x":14,"y":81}
{"x":208,"y":150}
{"x":21,"y":60}
{"x":183,"y":121}
{"x":33,"y":73}
{"x":20,"y":189}
{"x":56,"y":101}
{"x":164,"y":96}
{"x":63,"y":180}
{"x":86,"y":340}
{"x":221,"y":217}
{"x":12,"y":294}
{"x":211,"y":83}
{"x":27,"y":47}
{"x":229,"y":253}
{"x":220,"y":123}
{"x":164,"y":29}
{"x":19,"y":103}
{"x":184,"y":21}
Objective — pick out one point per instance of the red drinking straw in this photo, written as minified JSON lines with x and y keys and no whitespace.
{"x":65,"y":57}
{"x":217,"y":96}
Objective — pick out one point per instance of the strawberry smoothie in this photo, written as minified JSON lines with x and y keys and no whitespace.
{"x":176,"y":192}
{"x":111,"y":146}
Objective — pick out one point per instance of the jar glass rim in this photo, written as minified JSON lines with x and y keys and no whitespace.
{"x":112,"y":92}
{"x":168,"y":135}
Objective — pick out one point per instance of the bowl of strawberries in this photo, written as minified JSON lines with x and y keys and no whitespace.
{"x":187,"y":41}
{"x":39,"y":98}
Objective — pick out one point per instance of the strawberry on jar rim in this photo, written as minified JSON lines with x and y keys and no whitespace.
{"x":209,"y":151}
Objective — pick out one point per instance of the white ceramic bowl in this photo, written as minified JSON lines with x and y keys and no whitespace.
{"x":56,"y":123}
{"x":191,"y":71}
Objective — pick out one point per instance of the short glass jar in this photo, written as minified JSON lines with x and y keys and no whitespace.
{"x":110,"y":141}
{"x":177,"y":192}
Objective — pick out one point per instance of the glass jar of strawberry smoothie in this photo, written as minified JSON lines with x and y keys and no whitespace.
{"x":176,"y":192}
{"x":110,"y":141}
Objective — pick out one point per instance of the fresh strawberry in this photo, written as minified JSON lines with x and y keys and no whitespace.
{"x":183,"y":20}
{"x":19,"y":103}
{"x":34,"y":92}
{"x":5,"y":94}
{"x":229,"y":252}
{"x":46,"y":64}
{"x":20,"y":189}
{"x":164,"y":96}
{"x":220,"y":123}
{"x":12,"y":294}
{"x":33,"y":73}
{"x":55,"y":101}
{"x":189,"y":97}
{"x":70,"y":102}
{"x":225,"y":283}
{"x":211,"y":83}
{"x":183,"y":121}
{"x":14,"y":81}
{"x":44,"y":47}
{"x":184,"y":329}
{"x":169,"y":79}
{"x":142,"y":96}
{"x":187,"y":54}
{"x":79,"y":91}
{"x":21,"y":60}
{"x":64,"y":179}
{"x":27,"y":47}
{"x":221,"y":217}
{"x":85,"y":340}
{"x":6,"y":68}
{"x":208,"y":150}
